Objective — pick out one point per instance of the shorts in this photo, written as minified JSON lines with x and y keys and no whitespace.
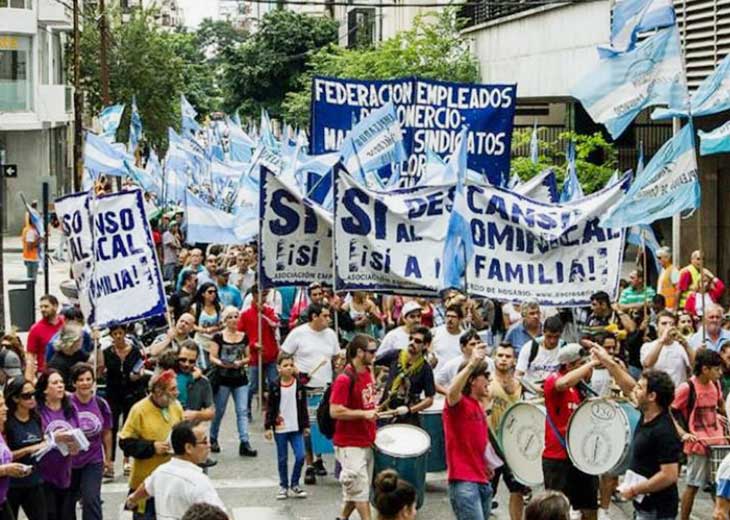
{"x":509,"y":480}
{"x":698,"y":470}
{"x":355,"y":476}
{"x":580,"y":488}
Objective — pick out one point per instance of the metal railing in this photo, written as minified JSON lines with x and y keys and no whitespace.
{"x":475,"y":13}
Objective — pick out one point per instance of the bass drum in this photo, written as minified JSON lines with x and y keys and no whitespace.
{"x":522,"y":438}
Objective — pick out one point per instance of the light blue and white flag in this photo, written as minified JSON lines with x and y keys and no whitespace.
{"x":100,"y":157}
{"x":668,"y":185}
{"x":240,"y":145}
{"x":623,"y":85}
{"x":631,"y":17}
{"x":534,"y":146}
{"x":188,"y":113}
{"x":715,"y":141}
{"x":135,"y":127}
{"x":711,"y":97}
{"x":109,"y":120}
{"x":375,"y":141}
{"x":572,"y":190}
{"x":459,"y":243}
{"x":208,"y":224}
{"x":266,"y":133}
{"x":634,"y":236}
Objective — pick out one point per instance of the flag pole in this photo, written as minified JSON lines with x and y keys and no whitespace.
{"x":334,"y":249}
{"x":260,"y":326}
{"x":643,"y":257}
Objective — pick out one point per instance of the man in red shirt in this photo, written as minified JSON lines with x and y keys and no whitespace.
{"x":352,"y":406}
{"x":466,"y":436}
{"x":561,"y":399}
{"x":40,"y":334}
{"x":248,"y":323}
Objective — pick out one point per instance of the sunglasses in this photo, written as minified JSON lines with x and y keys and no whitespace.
{"x":186,"y":361}
{"x":211,"y":291}
{"x":417,"y":341}
{"x":27,"y":395}
{"x":371,"y":350}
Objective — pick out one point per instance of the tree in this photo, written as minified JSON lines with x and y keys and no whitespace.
{"x":216,"y":35}
{"x":261,"y":70}
{"x":432,"y":48}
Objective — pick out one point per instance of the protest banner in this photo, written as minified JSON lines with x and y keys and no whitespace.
{"x":112,"y":256}
{"x":556,"y":254}
{"x":296,"y":236}
{"x":431,"y":114}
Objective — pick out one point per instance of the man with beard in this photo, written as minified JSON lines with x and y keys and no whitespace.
{"x":409,"y":376}
{"x":40,"y":334}
{"x":397,"y":339}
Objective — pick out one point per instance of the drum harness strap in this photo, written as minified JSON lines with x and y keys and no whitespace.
{"x":555,"y":430}
{"x":404,"y":371}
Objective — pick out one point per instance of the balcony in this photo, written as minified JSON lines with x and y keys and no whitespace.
{"x":475,"y":13}
{"x":52,"y":12}
{"x":18,"y":21}
{"x":55,"y":103}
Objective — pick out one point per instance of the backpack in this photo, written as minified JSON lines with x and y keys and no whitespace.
{"x":691,"y":401}
{"x":325,"y":422}
{"x":534,"y":347}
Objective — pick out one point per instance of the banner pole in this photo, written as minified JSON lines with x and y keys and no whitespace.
{"x":643,"y":259}
{"x":334,"y":249}
{"x":260,"y":326}
{"x":702,"y":276}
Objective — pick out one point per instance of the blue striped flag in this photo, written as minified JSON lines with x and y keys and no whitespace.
{"x":534,"y":146}
{"x":188,"y":114}
{"x":572,"y":190}
{"x":100,"y":157}
{"x":630,"y":17}
{"x":109,"y":119}
{"x":135,"y":127}
{"x":715,"y":141}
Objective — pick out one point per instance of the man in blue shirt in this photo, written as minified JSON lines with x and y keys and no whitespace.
{"x":715,"y":335}
{"x":527,"y":329}
{"x":227,"y":293}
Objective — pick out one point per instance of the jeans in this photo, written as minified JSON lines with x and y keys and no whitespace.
{"x":270,"y":375}
{"x":296,"y":440}
{"x":470,"y":500}
{"x":86,"y":484}
{"x":650,"y":515}
{"x":31,"y":268}
{"x":240,"y":400}
{"x":31,"y":499}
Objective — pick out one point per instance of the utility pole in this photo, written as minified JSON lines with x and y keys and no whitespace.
{"x":78,"y":101}
{"x":103,"y":46}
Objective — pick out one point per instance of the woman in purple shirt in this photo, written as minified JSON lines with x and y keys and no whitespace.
{"x":58,"y":418}
{"x":8,"y":468}
{"x":95,"y":419}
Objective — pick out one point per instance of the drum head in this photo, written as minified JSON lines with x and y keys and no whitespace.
{"x":598,"y":438}
{"x":522,"y":432}
{"x":402,"y":440}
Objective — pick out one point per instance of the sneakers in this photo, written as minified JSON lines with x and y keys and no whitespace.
{"x":214,"y":446}
{"x":245,"y":450}
{"x":319,"y":468}
{"x":283,"y":494}
{"x":309,"y":476}
{"x":298,"y":492}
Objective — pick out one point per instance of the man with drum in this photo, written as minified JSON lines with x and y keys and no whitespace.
{"x":539,"y":358}
{"x":695,"y":408}
{"x":352,"y":406}
{"x":562,"y":397}
{"x":409,"y":376}
{"x":466,"y":436}
{"x":670,"y":353}
{"x":505,"y":390}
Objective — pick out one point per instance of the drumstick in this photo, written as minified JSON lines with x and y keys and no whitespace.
{"x":321,"y":364}
{"x":387,"y":414}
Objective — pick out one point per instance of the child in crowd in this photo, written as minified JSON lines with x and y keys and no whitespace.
{"x":286,"y":420}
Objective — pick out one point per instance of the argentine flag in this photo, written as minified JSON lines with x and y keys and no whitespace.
{"x":630,"y":17}
{"x":100,"y":157}
{"x":109,"y":118}
{"x":188,"y":113}
{"x":715,"y":141}
{"x":623,"y":85}
{"x":668,"y":185}
{"x":135,"y":127}
{"x":572,"y":190}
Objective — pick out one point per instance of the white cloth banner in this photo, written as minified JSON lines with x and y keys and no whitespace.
{"x":296,"y":237}
{"x":112,"y":257}
{"x":524,"y":249}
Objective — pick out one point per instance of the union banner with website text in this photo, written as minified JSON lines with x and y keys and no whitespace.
{"x":431,"y":115}
{"x":112,"y":257}
{"x":556,"y":254}
{"x":296,"y":237}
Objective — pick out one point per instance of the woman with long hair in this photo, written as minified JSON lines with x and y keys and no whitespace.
{"x":123,"y":366}
{"x":206,"y":308}
{"x":229,"y":357}
{"x":58,"y":418}
{"x":24,"y":435}
{"x":95,"y":419}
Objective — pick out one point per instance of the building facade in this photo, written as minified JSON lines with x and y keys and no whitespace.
{"x":36,"y":102}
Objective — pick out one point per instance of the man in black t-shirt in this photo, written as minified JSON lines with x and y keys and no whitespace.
{"x":180,"y":300}
{"x":409,"y":377}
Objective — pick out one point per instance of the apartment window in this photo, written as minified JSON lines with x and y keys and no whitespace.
{"x":17,"y":4}
{"x":43,"y":56}
{"x":16,"y":76}
{"x":57,"y":52}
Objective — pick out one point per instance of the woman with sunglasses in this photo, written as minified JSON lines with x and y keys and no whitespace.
{"x":206,"y":308}
{"x":123,"y":366}
{"x":24,"y":436}
{"x":58,"y":418}
{"x":95,"y":419}
{"x":229,"y":357}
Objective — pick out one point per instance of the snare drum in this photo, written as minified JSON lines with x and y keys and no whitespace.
{"x":522,"y":438}
{"x":432,"y":422}
{"x":320,"y":443}
{"x":600,"y":433}
{"x":404,"y":448}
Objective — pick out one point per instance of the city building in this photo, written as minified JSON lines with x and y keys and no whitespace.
{"x":170,"y":15}
{"x":36,"y":103}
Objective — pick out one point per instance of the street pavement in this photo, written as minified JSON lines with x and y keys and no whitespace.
{"x":248,"y":486}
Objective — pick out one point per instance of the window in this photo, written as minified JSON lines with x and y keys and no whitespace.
{"x":43,"y":56}
{"x":17,"y":4}
{"x":16,"y":76}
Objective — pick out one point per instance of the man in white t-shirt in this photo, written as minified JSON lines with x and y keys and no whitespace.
{"x":539,"y":358}
{"x":313,"y":346}
{"x":445,"y":343}
{"x":398,"y":338}
{"x":446,"y":373}
{"x":671,"y":352}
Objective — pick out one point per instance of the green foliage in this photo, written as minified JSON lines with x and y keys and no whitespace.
{"x":260,"y":71}
{"x":596,"y":158}
{"x":432,"y":48}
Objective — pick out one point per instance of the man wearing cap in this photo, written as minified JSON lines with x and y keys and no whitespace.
{"x":398,"y":338}
{"x":562,"y":397}
{"x":668,"y":278}
{"x":227,"y":293}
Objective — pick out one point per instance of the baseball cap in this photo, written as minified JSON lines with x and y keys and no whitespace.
{"x":411,"y":306}
{"x":570,"y":353}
